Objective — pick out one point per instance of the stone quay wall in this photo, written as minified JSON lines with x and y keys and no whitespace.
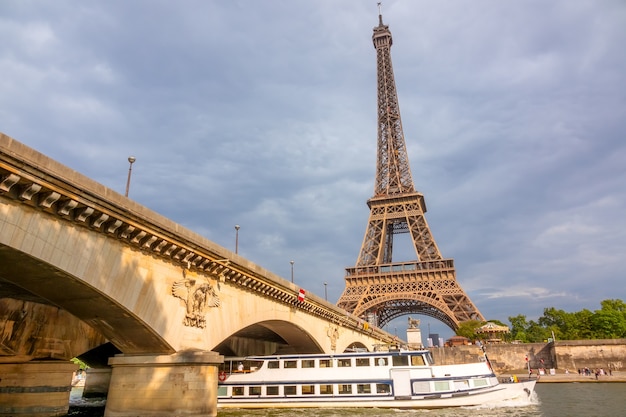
{"x":567,"y":354}
{"x":606,"y":354}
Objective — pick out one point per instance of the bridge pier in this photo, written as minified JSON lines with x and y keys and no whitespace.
{"x":182,"y":384}
{"x":97,"y":381}
{"x":36,"y":388}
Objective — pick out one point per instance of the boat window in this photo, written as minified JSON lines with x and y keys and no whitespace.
{"x":308,"y":389}
{"x":326,"y":389}
{"x":326,"y":363}
{"x":254,"y":391}
{"x":362,"y":361}
{"x":254,"y":365}
{"x":421,"y":387}
{"x":383,"y":388}
{"x":343,"y":362}
{"x":240,"y":367}
{"x":417,"y":360}
{"x":364,"y":389}
{"x":290,"y":389}
{"x":273,"y":364}
{"x":380,"y":361}
{"x":308,"y":363}
{"x":290,"y":364}
{"x":222,"y":390}
{"x":400,"y":360}
{"x":237,"y":391}
{"x":429,"y":358}
{"x":345,"y":388}
{"x":271,"y":390}
{"x":480,"y":382}
{"x":442,"y":386}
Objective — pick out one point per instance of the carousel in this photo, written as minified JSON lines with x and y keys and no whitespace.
{"x":493,"y":332}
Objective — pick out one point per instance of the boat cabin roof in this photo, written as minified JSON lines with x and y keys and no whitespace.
{"x":334,"y":355}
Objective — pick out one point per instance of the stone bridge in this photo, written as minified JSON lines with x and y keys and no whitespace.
{"x":85,"y":272}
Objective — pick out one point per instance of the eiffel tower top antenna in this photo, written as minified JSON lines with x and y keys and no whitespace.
{"x":393,"y":172}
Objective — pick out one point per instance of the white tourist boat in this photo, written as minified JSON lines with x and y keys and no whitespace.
{"x":392,"y":379}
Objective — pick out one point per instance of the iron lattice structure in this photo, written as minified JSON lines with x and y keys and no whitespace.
{"x":378,"y":289}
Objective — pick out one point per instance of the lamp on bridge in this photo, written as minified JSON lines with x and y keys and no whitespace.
{"x":237,"y":238}
{"x":291,"y":262}
{"x":131,"y":160}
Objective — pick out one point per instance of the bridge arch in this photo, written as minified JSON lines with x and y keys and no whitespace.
{"x":28,"y":278}
{"x":269,"y":337}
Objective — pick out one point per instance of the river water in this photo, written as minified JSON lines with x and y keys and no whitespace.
{"x":549,"y":400}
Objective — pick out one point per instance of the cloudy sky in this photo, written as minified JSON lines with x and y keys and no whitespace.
{"x":263,"y":114}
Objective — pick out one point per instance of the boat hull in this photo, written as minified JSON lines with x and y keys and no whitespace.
{"x":500,"y":394}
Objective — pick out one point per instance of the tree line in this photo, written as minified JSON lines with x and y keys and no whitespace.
{"x":609,"y":322}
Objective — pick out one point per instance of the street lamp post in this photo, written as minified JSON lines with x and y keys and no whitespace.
{"x":131,"y":160}
{"x":236,"y":239}
{"x":291,"y":262}
{"x":325,"y":291}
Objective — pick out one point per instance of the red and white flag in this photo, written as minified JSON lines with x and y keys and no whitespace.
{"x":301,"y":295}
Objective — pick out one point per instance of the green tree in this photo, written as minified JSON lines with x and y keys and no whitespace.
{"x":519,"y":326}
{"x":468,"y":329}
{"x":583,"y":328}
{"x":81,"y":364}
{"x":555,"y":322}
{"x":614,"y":305}
{"x":537,"y":333}
{"x":496,"y":321}
{"x":610,"y":321}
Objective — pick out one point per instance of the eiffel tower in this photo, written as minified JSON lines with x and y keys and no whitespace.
{"x":377,"y":288}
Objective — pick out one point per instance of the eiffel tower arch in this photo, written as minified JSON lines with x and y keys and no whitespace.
{"x":377,"y":288}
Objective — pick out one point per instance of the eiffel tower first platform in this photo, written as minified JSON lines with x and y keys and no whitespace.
{"x":377,"y":288}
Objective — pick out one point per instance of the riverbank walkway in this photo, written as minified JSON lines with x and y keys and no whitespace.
{"x":561,"y":376}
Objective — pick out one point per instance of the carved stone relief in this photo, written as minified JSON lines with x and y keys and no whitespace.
{"x":333,"y":335}
{"x":197,"y":294}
